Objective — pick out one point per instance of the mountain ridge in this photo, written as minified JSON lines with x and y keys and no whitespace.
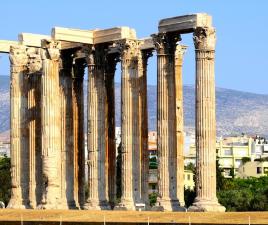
{"x":237,"y":111}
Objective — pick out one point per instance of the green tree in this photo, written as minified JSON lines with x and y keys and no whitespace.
{"x":220,"y":180}
{"x":5,"y":179}
{"x":189,"y":196}
{"x":190,"y":166}
{"x":153,"y":198}
{"x":245,"y":194}
{"x":245,"y":160}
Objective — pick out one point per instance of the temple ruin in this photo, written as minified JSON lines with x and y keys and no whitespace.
{"x":47,"y":117}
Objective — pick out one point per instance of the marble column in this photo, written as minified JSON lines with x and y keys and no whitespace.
{"x":166,"y":123}
{"x":97,"y":182}
{"x":206,"y":199}
{"x":34,"y":73}
{"x":18,"y":124}
{"x":78,"y":126}
{"x":111,"y":61}
{"x":130,"y":178}
{"x":51,"y":130}
{"x":67,"y":131}
{"x":143,"y":126}
{"x":179,"y":121}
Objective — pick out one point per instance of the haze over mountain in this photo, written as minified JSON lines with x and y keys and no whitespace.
{"x":237,"y":112}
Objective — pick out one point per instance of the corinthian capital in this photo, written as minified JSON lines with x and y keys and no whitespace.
{"x":165,"y":43}
{"x":205,"y":38}
{"x":52,"y":49}
{"x":129,"y":50}
{"x":18,"y":55}
{"x":34,"y":60}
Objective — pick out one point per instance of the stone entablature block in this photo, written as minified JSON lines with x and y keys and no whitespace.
{"x":185,"y":24}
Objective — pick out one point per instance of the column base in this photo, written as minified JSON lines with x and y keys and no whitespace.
{"x":18,"y":204}
{"x":68,"y":205}
{"x":96,"y":205}
{"x":206,"y":206}
{"x":125,"y":205}
{"x":49,"y":205}
{"x":168,"y":205}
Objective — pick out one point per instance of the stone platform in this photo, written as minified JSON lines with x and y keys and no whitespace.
{"x":75,"y":217}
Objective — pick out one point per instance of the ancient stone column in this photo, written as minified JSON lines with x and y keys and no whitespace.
{"x":67,"y":130}
{"x":143,"y":126}
{"x":179,"y":122}
{"x":34,"y":73}
{"x":97,"y":193}
{"x":130,"y":136}
{"x":78,"y":130}
{"x":111,"y":61}
{"x":206,"y":199}
{"x":166,"y":123}
{"x":51,"y":131}
{"x":18,"y":134}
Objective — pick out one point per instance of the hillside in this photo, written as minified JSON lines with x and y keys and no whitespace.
{"x":237,"y":111}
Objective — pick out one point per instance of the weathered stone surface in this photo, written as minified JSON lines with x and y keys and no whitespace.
{"x":97,"y":161}
{"x":113,"y":34}
{"x":32,"y":40}
{"x":143,"y":126}
{"x":67,"y":129}
{"x":206,"y":199}
{"x":72,"y":35}
{"x":166,"y":121}
{"x":78,"y":129}
{"x":51,"y":132}
{"x":179,"y":122}
{"x":185,"y":24}
{"x":19,"y":142}
{"x":147,"y":44}
{"x":130,"y":136}
{"x":110,"y":67}
{"x":5,"y":45}
{"x":34,"y":73}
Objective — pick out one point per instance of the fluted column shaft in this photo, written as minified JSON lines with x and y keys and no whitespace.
{"x":130,"y":137}
{"x":179,"y":122}
{"x":67,"y":131}
{"x":111,"y":61}
{"x":166,"y":121}
{"x":206,"y":200}
{"x":143,"y":126}
{"x":78,"y":126}
{"x":34,"y":126}
{"x":18,"y":125}
{"x":97,"y":198}
{"x":51,"y":132}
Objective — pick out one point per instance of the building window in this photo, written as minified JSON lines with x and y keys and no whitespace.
{"x":153,"y":186}
{"x":238,"y":162}
{"x":188,"y":177}
{"x":259,"y":170}
{"x":227,"y":172}
{"x":228,"y":152}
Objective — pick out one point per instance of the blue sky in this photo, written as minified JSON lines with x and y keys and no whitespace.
{"x":241,"y":53}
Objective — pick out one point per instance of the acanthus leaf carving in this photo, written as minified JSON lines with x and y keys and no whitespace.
{"x":204,"y":38}
{"x":165,"y":43}
{"x":34,"y":60}
{"x":52,"y":49}
{"x":18,"y":56}
{"x":130,"y":52}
